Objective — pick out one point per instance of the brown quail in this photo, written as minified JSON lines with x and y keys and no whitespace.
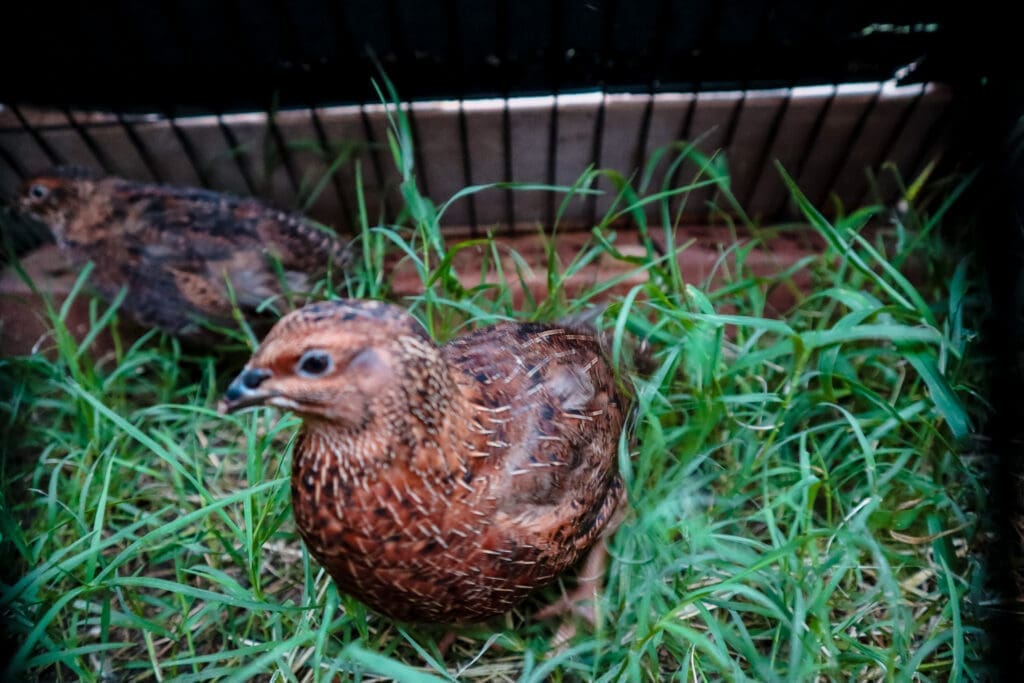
{"x":441,"y":484}
{"x":176,"y":248}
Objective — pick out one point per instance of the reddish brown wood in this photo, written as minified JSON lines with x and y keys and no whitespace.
{"x":24,"y":324}
{"x":25,"y":327}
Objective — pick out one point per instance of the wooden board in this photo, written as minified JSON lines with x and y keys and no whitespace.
{"x":24,"y":328}
{"x":829,"y":138}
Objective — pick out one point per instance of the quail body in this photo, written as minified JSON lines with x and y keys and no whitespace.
{"x":182,"y":253}
{"x":441,"y":483}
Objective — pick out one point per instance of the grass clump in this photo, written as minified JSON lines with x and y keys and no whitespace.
{"x":804,"y":491}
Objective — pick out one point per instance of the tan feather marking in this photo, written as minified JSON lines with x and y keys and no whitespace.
{"x":491,"y":410}
{"x":541,"y":336}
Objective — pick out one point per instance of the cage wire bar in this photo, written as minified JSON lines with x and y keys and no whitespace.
{"x":825,"y":136}
{"x":495,"y":91}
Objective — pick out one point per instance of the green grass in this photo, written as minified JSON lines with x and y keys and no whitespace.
{"x":804,"y":493}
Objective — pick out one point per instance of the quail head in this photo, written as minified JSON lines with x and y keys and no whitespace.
{"x":183,"y":254}
{"x":441,"y":483}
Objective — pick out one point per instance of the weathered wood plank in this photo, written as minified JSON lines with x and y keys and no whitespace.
{"x":486,"y":150}
{"x":260,"y":154}
{"x":918,"y":139}
{"x":577,"y":116}
{"x":437,"y":126}
{"x":69,"y":146}
{"x":308,"y":160}
{"x":825,"y":135}
{"x":620,"y":144}
{"x":25,"y":151}
{"x":530,"y":122}
{"x":670,"y":114}
{"x":120,"y":155}
{"x":824,"y":155}
{"x":388,"y":185}
{"x":761,"y":109}
{"x":712,"y":116}
{"x":214,"y":153}
{"x":345,"y":133}
{"x":870,"y":146}
{"x":167,"y":154}
{"x":793,"y":136}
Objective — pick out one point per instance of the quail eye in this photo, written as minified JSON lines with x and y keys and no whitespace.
{"x":38,"y":191}
{"x":315,"y":363}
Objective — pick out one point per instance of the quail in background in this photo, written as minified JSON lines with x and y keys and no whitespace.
{"x":442,"y":484}
{"x":176,"y":249}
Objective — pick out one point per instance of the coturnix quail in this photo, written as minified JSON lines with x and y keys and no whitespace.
{"x":441,"y":484}
{"x":176,"y":249}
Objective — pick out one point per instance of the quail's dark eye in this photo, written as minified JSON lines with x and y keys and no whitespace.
{"x":38,"y":191}
{"x":315,"y":363}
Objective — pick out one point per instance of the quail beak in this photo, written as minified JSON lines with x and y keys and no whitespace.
{"x":244,"y":391}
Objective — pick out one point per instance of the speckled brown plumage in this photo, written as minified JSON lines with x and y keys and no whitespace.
{"x":174,"y":247}
{"x":441,"y":484}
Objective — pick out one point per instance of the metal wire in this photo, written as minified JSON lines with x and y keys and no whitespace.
{"x":913,"y":151}
{"x":850,"y":143}
{"x":234,"y":150}
{"x":90,"y":142}
{"x":897,"y":132}
{"x":808,"y":148}
{"x":140,"y":148}
{"x":187,"y":147}
{"x":51,"y":154}
{"x":762,"y":165}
